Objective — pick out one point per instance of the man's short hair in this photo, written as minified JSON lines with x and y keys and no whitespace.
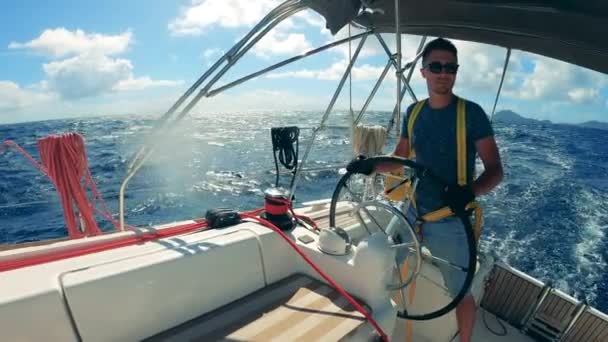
{"x":438,"y":44}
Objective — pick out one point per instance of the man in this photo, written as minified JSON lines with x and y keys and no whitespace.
{"x":434,"y":141}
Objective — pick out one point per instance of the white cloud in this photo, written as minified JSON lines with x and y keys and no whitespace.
{"x":481,"y":66}
{"x":583,"y":94}
{"x":143,"y":83}
{"x":60,"y":42}
{"x":86,"y":75}
{"x":212,"y":52}
{"x":312,"y":18}
{"x":334,"y":72}
{"x":89,"y":70}
{"x":92,"y":74}
{"x":204,"y":14}
{"x":555,"y":80}
{"x":201,"y":14}
{"x":277,"y":42}
{"x":13,"y":97}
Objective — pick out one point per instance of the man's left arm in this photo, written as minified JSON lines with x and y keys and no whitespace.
{"x":493,"y":173}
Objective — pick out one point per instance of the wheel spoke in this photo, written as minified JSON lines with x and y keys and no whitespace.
{"x":373,"y":219}
{"x":446,"y":262}
{"x":362,"y":222}
{"x":441,"y":286}
{"x":409,"y":245}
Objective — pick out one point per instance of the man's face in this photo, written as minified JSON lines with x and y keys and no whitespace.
{"x":440,"y":83}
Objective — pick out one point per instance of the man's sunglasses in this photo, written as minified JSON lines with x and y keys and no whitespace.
{"x":436,"y":67}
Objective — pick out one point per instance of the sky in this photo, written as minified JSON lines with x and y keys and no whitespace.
{"x":68,"y":58}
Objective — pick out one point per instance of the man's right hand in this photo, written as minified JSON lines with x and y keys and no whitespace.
{"x":457,"y":197}
{"x":360,"y":165}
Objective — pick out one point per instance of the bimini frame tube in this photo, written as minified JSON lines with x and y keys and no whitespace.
{"x":502,"y":78}
{"x":276,"y":16}
{"x":284,"y":62}
{"x":326,"y":115}
{"x":226,"y":57}
{"x":272,"y":19}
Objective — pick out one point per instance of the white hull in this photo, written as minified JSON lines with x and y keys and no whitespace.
{"x":137,"y":292}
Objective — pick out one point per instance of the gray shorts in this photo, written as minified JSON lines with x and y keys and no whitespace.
{"x":446,"y":239}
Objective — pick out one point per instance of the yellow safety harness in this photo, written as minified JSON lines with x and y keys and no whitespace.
{"x":404,"y":191}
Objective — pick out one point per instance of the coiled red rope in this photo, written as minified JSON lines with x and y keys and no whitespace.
{"x":64,"y":161}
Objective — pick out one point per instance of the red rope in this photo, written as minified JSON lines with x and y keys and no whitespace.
{"x":293,"y":245}
{"x":64,"y":162}
{"x":50,"y":256}
{"x":10,"y":143}
{"x":64,"y":157}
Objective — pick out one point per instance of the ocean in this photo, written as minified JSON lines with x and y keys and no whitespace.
{"x":548,"y":218}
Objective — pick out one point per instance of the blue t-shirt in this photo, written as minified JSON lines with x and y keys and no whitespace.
{"x":434,"y":140}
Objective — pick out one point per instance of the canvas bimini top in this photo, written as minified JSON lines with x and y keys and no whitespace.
{"x":574,"y":31}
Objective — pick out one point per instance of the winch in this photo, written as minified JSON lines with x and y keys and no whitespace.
{"x":277,"y":207}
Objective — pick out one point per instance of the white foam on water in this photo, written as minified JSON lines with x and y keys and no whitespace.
{"x":591,"y":264}
{"x":560,"y":160}
{"x":564,"y":286}
{"x":508,"y":248}
{"x":223,"y":174}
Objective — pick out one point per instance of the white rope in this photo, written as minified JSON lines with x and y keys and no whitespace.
{"x":368,"y":140}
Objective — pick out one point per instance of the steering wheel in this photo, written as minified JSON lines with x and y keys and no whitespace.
{"x":374,"y":212}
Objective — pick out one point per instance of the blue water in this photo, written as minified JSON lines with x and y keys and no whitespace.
{"x":548,"y":218}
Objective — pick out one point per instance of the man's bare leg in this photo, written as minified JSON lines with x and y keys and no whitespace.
{"x":465,"y":315}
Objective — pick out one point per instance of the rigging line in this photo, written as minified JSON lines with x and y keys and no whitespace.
{"x":398,"y":57}
{"x":502,"y":78}
{"x":350,"y":79}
